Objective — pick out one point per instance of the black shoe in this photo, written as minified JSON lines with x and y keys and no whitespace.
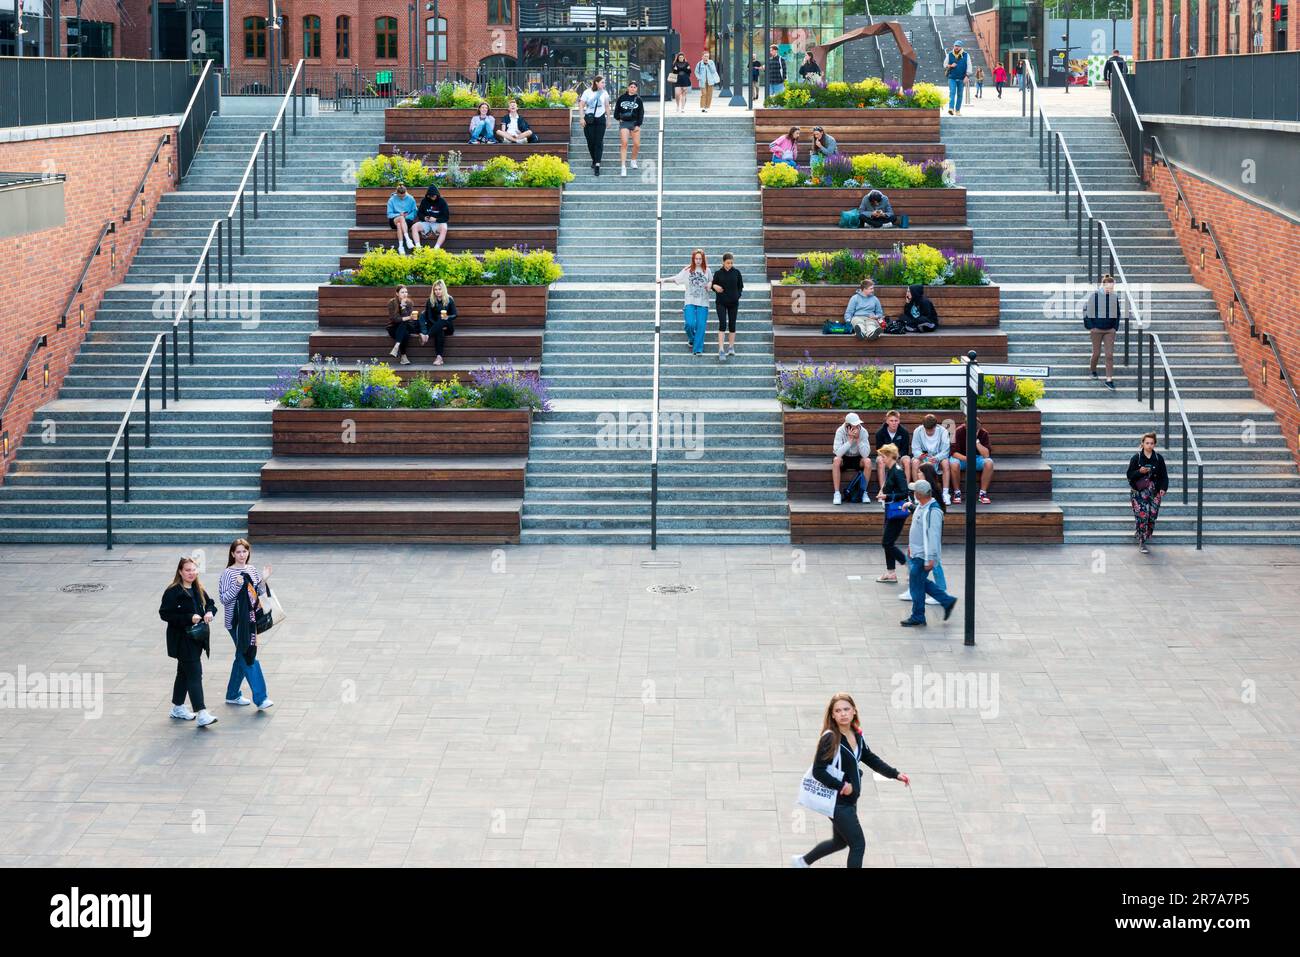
{"x":1093,"y":373}
{"x":597,"y":169}
{"x":912,"y":623}
{"x":1110,"y":384}
{"x":947,"y":611}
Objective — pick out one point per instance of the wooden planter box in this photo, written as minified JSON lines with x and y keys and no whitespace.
{"x":850,"y":127}
{"x":819,"y":205}
{"x":1013,"y":432}
{"x":812,"y":305}
{"x":401,"y":432}
{"x":492,"y":206}
{"x":524,"y":306}
{"x":447,"y":125}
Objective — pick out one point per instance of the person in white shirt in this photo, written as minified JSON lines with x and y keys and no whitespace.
{"x":852,"y":450}
{"x":514,"y":128}
{"x":595,"y":112}
{"x":931,"y":443}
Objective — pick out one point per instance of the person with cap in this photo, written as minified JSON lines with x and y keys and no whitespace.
{"x":432,"y":217}
{"x":876,"y":211}
{"x":956,"y":64}
{"x":852,"y":450}
{"x":924,"y":550}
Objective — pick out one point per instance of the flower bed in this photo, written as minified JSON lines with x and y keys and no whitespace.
{"x":376,"y":386}
{"x":425,"y":266}
{"x":917,"y":264}
{"x":869,"y":94}
{"x":810,"y":386}
{"x":538,"y":171}
{"x":461,"y":96}
{"x":867,"y":171}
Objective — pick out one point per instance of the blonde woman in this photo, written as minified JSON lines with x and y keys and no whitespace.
{"x":695,"y":309}
{"x":188,"y":609}
{"x":241,"y":589}
{"x":842,"y":732}
{"x":893,"y":492}
{"x":438,"y":319}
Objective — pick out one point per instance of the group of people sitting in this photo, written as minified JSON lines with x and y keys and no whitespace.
{"x":866,"y":315}
{"x":511,"y":128}
{"x":413,"y":220}
{"x":435,"y":321}
{"x":785,"y":148}
{"x":912,"y":451}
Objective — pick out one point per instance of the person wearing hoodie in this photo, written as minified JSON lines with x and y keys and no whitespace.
{"x":514,"y":128}
{"x":401,"y":215}
{"x":852,"y":451}
{"x":1101,"y":317}
{"x":432,"y":217}
{"x":930,"y":443}
{"x":188,"y":609}
{"x":875,"y":210}
{"x":924,"y":551}
{"x":1148,"y":480}
{"x":918,"y":314}
{"x":728,"y":285}
{"x":706,"y":71}
{"x":629,"y":110}
{"x":864,"y":306}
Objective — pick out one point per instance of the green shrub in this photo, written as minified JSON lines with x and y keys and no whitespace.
{"x":505,"y":267}
{"x":539,"y":170}
{"x":496,"y":94}
{"x":871,"y":93}
{"x":544,"y":170}
{"x":811,"y":386}
{"x":778,"y":175}
{"x":916,"y":264}
{"x":419,"y":393}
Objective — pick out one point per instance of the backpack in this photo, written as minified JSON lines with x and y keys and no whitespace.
{"x":895,"y":327}
{"x":850,"y":219}
{"x":836,"y":327}
{"x":856,"y":491}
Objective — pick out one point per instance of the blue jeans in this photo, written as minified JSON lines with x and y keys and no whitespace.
{"x":697,"y":321}
{"x":480,"y":131}
{"x":955,"y":89}
{"x":919,"y":584}
{"x":240,"y":672}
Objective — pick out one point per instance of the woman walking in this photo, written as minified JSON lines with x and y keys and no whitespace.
{"x":595,"y":109}
{"x":1148,"y":481}
{"x":979,"y":82}
{"x":894,"y":494}
{"x":842,"y":737}
{"x":999,"y":78}
{"x":681,"y":71}
{"x":695,"y":310}
{"x":931,"y":475}
{"x":629,"y":110}
{"x":706,"y":71}
{"x":810,"y":70}
{"x":438,"y":319}
{"x":402,"y":323}
{"x":241,"y":588}
{"x":187,"y":609}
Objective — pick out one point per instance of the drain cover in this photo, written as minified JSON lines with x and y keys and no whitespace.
{"x":671,"y":589}
{"x":82,"y":588}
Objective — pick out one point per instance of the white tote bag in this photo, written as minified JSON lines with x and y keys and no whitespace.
{"x":816,"y":796}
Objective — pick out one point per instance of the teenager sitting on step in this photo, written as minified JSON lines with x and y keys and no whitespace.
{"x":432,"y":217}
{"x":401,"y":216}
{"x":438,"y":318}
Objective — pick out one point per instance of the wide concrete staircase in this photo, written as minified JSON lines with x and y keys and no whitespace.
{"x":198,"y":479}
{"x":861,"y":61}
{"x":1252,"y":486}
{"x":721,"y":461}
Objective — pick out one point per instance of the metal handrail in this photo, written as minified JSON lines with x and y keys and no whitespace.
{"x":238,"y":202}
{"x":1138,"y":157}
{"x":107,"y":229}
{"x":144,"y":179}
{"x":1188,"y":437}
{"x":654,"y":393}
{"x":934,"y":24}
{"x":203,"y":76}
{"x":880,"y":54}
{"x":39,"y":343}
{"x":290,"y":93}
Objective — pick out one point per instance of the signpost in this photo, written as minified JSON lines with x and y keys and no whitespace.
{"x":965,"y":381}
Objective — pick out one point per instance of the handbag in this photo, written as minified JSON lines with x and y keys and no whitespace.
{"x":897,"y":509}
{"x":850,"y":219}
{"x":269,"y":612}
{"x":199,"y":631}
{"x":816,"y":796}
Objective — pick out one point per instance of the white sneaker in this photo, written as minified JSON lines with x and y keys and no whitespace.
{"x":241,"y":700}
{"x":393,"y":351}
{"x":206,"y":719}
{"x":731,"y":350}
{"x":947,"y":497}
{"x":401,"y":246}
{"x":623,"y":171}
{"x":265,"y":704}
{"x":837,"y":499}
{"x":634,"y":166}
{"x":798,"y":861}
{"x":182,"y":712}
{"x":907,"y":596}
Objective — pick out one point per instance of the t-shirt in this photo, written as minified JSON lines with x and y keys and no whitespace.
{"x":512,"y":125}
{"x":959,"y":440}
{"x":594,"y":103}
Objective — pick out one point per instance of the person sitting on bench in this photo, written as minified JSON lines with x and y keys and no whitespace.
{"x":514,"y":128}
{"x":432,"y":217}
{"x":864,"y":312}
{"x":852,"y":450}
{"x":403,"y":322}
{"x":785,"y":148}
{"x":480,"y":125}
{"x":876,"y":211}
{"x":983,"y":463}
{"x":919,"y":314}
{"x":401,"y":216}
{"x":437,"y":319}
{"x":894,"y":433}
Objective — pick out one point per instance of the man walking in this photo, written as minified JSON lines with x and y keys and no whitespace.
{"x":706,"y":71}
{"x":956,"y":64}
{"x":1114,"y":65}
{"x":924,"y":550}
{"x":776,"y":71}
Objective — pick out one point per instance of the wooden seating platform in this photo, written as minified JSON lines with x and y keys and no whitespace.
{"x":812,"y":206}
{"x":408,"y":518}
{"x":461,"y":237}
{"x":373,"y":342}
{"x":473,"y":154}
{"x":1019,"y":521}
{"x":472,"y":206}
{"x":424,"y":474}
{"x":1014,"y":475}
{"x":524,"y":306}
{"x":792,"y":240}
{"x":958,"y":306}
{"x":450,"y":124}
{"x":400,"y":432}
{"x":1013,"y":432}
{"x":795,"y":343}
{"x":911,"y":152}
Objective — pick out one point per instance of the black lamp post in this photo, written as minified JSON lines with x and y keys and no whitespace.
{"x":767,"y":47}
{"x":737,"y":29}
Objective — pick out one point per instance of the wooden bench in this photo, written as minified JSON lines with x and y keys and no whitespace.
{"x":477,"y":206}
{"x":796,"y":343}
{"x":1014,"y":475}
{"x":880,"y":125}
{"x":524,"y":307}
{"x":1029,"y":520}
{"x":359,"y":520}
{"x":911,"y":152}
{"x":461,"y":237}
{"x":423,"y":474}
{"x":449,"y":125}
{"x":812,"y":205}
{"x":812,"y":305}
{"x":469,"y":342}
{"x":1013,"y":432}
{"x":471,"y":154}
{"x":790,"y":240}
{"x":400,"y":431}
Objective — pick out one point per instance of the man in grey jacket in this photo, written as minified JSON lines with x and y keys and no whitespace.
{"x":924,"y":550}
{"x":875,"y":210}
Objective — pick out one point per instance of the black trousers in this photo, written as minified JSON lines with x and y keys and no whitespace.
{"x":999,"y":86}
{"x":189,"y":678}
{"x":727,"y":316}
{"x":439,"y":336}
{"x":893,"y":528}
{"x":594,"y":131}
{"x":879,"y":220}
{"x":402,"y":332}
{"x":847,"y":831}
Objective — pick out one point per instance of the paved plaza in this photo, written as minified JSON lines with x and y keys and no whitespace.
{"x":539,"y":706}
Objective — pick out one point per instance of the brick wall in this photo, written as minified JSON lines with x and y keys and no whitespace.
{"x":103,"y":170}
{"x":1263,"y":249}
{"x":986,"y":33}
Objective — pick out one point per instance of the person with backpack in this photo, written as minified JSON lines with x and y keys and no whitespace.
{"x":840,"y":749}
{"x":956,"y":64}
{"x":706,"y":71}
{"x":695,"y":308}
{"x":924,"y":550}
{"x":1114,"y":64}
{"x":893,"y":493}
{"x":785,"y":148}
{"x":876,"y":211}
{"x":188,"y":609}
{"x":776,"y":71}
{"x":852,"y":450}
{"x":242,"y":588}
{"x":595,"y":108}
{"x":1101,"y":317}
{"x":728,"y":285}
{"x":864,"y":312}
{"x":999,"y":78}
{"x":918,"y":313}
{"x":629,"y":110}
{"x":931,"y":475}
{"x":681,"y":76}
{"x":1148,"y":481}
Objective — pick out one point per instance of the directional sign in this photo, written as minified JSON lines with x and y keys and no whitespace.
{"x":929,"y":381}
{"x":1023,"y":372}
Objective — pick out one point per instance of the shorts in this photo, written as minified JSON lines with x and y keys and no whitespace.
{"x":979,"y":463}
{"x":629,"y":125}
{"x":428,"y":227}
{"x":853,"y":462}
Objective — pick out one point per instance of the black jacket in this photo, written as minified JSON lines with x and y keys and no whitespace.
{"x":178,"y":610}
{"x":732,"y":283}
{"x":681,"y":73}
{"x":1159,"y":474}
{"x":431,"y":317}
{"x":919,"y":313}
{"x":437,"y":208}
{"x":1115,"y":63}
{"x":629,"y":109}
{"x":775,"y":69}
{"x":895,"y":487}
{"x":806,"y":69}
{"x":903,"y":439}
{"x":848,"y":764}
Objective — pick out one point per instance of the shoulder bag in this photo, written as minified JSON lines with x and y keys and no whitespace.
{"x":816,"y":796}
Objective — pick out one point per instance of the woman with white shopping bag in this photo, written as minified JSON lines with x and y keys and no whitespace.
{"x":833,"y":783}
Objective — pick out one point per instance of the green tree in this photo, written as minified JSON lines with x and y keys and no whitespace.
{"x":879,"y":8}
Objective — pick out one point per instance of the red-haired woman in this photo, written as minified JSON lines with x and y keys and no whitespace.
{"x":695,"y":311}
{"x":842,"y":733}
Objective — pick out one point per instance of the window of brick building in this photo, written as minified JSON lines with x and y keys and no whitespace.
{"x":435,"y":39}
{"x":343,"y":38}
{"x":1212,"y":27}
{"x":311,"y":38}
{"x":499,"y":11}
{"x":386,"y":38}
{"x":1158,"y":47}
{"x":254,"y":38}
{"x":1234,"y":26}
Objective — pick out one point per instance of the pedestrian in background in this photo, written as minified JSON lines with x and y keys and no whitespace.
{"x":999,"y":78}
{"x":956,"y":64}
{"x":595,"y":109}
{"x":979,"y":83}
{"x":924,"y":551}
{"x":776,"y":71}
{"x":681,"y":70}
{"x":188,"y":609}
{"x":706,"y":71}
{"x":893,"y":492}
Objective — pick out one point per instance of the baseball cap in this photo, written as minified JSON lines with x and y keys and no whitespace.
{"x":920,"y":486}
{"x":852,"y":419}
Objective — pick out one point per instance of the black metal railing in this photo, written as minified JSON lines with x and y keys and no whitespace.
{"x":48,"y":90}
{"x":880,"y":53}
{"x":1188,"y":442}
{"x":38,"y":343}
{"x":654,"y":393}
{"x":139,"y":194}
{"x":108,"y":228}
{"x":202,"y":106}
{"x":1261,"y":86}
{"x":1130,"y":125}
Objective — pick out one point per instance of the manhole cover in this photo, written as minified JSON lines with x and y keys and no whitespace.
{"x":671,"y":589}
{"x":82,"y":588}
